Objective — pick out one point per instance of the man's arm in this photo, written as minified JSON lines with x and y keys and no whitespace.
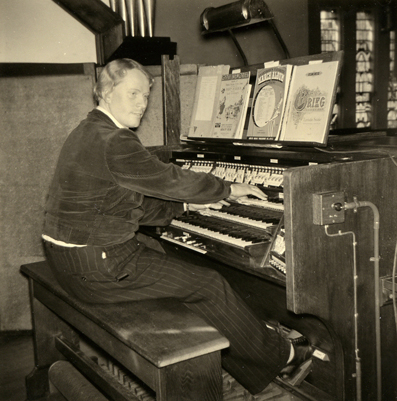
{"x":134,"y":167}
{"x":158,"y":212}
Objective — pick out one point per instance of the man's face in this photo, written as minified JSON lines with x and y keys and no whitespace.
{"x":128,"y":100}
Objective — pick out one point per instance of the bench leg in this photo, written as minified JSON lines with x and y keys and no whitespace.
{"x":195,"y":379}
{"x":46,"y":326}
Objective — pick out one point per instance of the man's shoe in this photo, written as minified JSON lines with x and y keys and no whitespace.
{"x":300,"y":365}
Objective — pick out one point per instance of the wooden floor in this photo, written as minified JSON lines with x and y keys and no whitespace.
{"x":17,"y":360}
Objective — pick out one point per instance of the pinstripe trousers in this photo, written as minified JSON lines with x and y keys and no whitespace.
{"x":131,"y":271}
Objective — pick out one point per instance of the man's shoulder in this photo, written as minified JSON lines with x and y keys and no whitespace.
{"x":98,"y":117}
{"x":105,"y":124}
{"x":123,"y":139}
{"x":98,"y":128}
{"x":97,"y":123}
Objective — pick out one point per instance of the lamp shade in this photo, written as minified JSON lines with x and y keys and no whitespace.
{"x":233,"y":15}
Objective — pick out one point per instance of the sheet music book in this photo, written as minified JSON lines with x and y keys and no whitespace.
{"x":269,"y":100}
{"x":291,"y":103}
{"x":206,"y":99}
{"x":310,"y":102}
{"x":232,"y":105}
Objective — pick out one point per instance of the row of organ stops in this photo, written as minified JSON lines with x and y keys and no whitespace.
{"x":268,"y":176}
{"x":138,"y":16}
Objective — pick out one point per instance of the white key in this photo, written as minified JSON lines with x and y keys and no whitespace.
{"x":211,"y":234}
{"x":238,"y":219}
{"x":262,"y":203}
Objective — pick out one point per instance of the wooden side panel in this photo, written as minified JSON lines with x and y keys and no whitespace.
{"x":320,"y":276}
{"x":195,"y":379}
{"x":170,"y":103}
{"x":171,"y":100}
{"x":309,"y":245}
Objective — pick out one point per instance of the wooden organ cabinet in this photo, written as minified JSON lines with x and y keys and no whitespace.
{"x":323,"y":262}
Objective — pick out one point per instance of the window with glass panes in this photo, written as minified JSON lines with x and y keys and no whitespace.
{"x":364,"y":31}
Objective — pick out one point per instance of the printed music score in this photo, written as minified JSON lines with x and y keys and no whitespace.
{"x":289,"y":103}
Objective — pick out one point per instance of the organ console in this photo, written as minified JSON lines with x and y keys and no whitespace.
{"x":304,"y":260}
{"x":318,"y":256}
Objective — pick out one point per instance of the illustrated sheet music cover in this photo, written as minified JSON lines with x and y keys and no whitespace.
{"x":232,"y":105}
{"x":269,"y":100}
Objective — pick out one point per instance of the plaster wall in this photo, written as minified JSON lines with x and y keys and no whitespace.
{"x":40,"y":31}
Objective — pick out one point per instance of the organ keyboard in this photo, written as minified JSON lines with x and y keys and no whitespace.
{"x":237,"y":232}
{"x":247,"y":233}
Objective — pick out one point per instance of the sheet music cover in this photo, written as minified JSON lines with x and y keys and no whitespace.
{"x":269,"y":100}
{"x":310,"y":102}
{"x":290,"y":103}
{"x":232,"y":105}
{"x":206,"y":99}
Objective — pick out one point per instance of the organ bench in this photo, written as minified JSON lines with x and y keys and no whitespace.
{"x":164,"y":344}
